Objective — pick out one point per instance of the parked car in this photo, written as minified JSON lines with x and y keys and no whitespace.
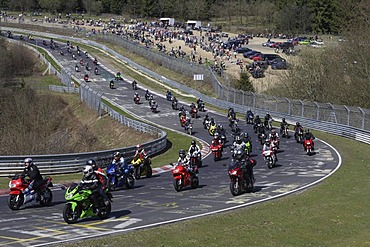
{"x":242,"y":49}
{"x":269,"y":57}
{"x":246,"y":54}
{"x":267,"y":44}
{"x":253,"y":54}
{"x":278,"y":63}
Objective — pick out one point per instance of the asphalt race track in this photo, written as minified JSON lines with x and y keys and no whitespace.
{"x":154,"y":201}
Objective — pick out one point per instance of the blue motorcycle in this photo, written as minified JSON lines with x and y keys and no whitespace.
{"x":119,"y":176}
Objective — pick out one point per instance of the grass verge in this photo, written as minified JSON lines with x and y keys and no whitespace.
{"x":334,"y":213}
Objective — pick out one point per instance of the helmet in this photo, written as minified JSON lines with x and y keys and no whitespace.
{"x":238,"y":139}
{"x":246,"y":135}
{"x":182,"y":153}
{"x":139,"y":147}
{"x":267,"y":142}
{"x":212,"y":121}
{"x":28,"y":162}
{"x":88,"y":170}
{"x":283,"y":119}
{"x":193,"y":143}
{"x":216,"y":135}
{"x":273,"y":132}
{"x":257,"y":116}
{"x":91,"y":163}
{"x":307,"y":131}
{"x":297,"y":123}
{"x":117,"y":154}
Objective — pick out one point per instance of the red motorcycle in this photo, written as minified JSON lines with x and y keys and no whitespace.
{"x":183,"y":178}
{"x":86,"y":78}
{"x":194,"y":112}
{"x":20,"y":194}
{"x":308,"y":146}
{"x":137,"y":99}
{"x":182,"y":120}
{"x":216,"y":150}
{"x":240,"y":180}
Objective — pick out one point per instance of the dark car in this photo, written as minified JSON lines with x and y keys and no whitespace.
{"x":253,"y":54}
{"x":286,"y":46}
{"x":242,"y":49}
{"x":278,"y":63}
{"x":269,"y":57}
{"x":248,"y":53}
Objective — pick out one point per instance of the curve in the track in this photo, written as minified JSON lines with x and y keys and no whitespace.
{"x":154,"y":201}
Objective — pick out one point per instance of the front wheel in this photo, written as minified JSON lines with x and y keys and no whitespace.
{"x":69,"y":215}
{"x":15,"y":201}
{"x":177,"y":184}
{"x":130,"y":182}
{"x":234,"y":187}
{"x":47,"y":198}
{"x":269,"y":163}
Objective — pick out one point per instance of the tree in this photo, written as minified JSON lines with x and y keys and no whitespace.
{"x":244,"y":83}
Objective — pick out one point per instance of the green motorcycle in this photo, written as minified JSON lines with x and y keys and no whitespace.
{"x":79,"y":205}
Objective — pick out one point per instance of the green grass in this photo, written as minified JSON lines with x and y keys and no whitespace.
{"x":48,"y":58}
{"x":333,"y":213}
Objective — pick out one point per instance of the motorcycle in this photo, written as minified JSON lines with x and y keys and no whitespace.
{"x":206,"y":123}
{"x":142,"y":168}
{"x":134,"y":85}
{"x":261,"y":134}
{"x":120,"y":176}
{"x":188,"y":127}
{"x":308,"y":146}
{"x":212,"y":129}
{"x":118,"y":77}
{"x":234,"y":126}
{"x":196,"y":159}
{"x":96,"y":72}
{"x":147,"y":95}
{"x":248,"y":148}
{"x":86,"y":78}
{"x":216,"y":151}
{"x":284,"y":131}
{"x":20,"y":195}
{"x":153,"y":107}
{"x":194,"y":112}
{"x":269,"y":157}
{"x":183,"y":178}
{"x":169,"y":96}
{"x":182,"y":121}
{"x":298,"y":135}
{"x":79,"y":204}
{"x":201,"y":106}
{"x":111,"y":84}
{"x":240,"y":180}
{"x":174,"y":105}
{"x":268,"y":124}
{"x":137,"y":99}
{"x":249,"y":119}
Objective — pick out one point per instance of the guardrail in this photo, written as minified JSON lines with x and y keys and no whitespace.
{"x":72,"y":163}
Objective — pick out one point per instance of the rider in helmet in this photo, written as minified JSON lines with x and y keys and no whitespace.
{"x":91,"y":182}
{"x":308,"y":135}
{"x":238,"y":143}
{"x":31,"y":170}
{"x":184,"y":161}
{"x":100,"y":175}
{"x":297,"y":127}
{"x":140,"y":152}
{"x":283,"y":125}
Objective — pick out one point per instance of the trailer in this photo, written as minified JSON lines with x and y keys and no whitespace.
{"x":194,"y":24}
{"x":168,"y":21}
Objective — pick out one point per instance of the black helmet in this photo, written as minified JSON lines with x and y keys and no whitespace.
{"x":297,"y":123}
{"x":238,"y":139}
{"x":182,"y":153}
{"x":91,"y":163}
{"x":257,"y":116}
{"x":283,"y":119}
{"x":117,"y":154}
{"x":307,"y":131}
{"x":193,"y":143}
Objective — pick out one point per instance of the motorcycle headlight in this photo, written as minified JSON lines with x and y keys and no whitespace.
{"x":233,"y":173}
{"x":11,"y":185}
{"x":126,"y":170}
{"x":69,"y":196}
{"x":176,"y":170}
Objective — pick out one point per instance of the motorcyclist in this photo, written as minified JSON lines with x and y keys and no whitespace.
{"x":96,"y":71}
{"x":231,"y":115}
{"x":217,"y":141}
{"x":249,"y":115}
{"x":206,"y":121}
{"x":297,"y":127}
{"x":269,"y":145}
{"x":182,"y":111}
{"x":185,"y":162}
{"x":212,"y":127}
{"x":140,"y":152}
{"x":99,"y":173}
{"x":183,"y":120}
{"x":267,"y":120}
{"x":147,"y":94}
{"x":283,"y":125}
{"x":257,"y":121}
{"x":274,"y":137}
{"x":91,"y":182}
{"x":200,"y":103}
{"x":136,"y":97}
{"x":119,"y":161}
{"x":31,"y":171}
{"x":118,"y":75}
{"x":309,"y":136}
{"x":248,"y":142}
{"x":168,"y":95}
{"x":194,"y":147}
{"x":238,"y":144}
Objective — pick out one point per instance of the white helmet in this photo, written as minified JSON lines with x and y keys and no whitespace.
{"x":88,"y":170}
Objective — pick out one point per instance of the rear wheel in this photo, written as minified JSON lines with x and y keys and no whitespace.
{"x":130,"y":182}
{"x":235,"y":188}
{"x":69,"y":215}
{"x":149,"y":171}
{"x":15,"y":201}
{"x":194,"y":182}
{"x":105,"y":211}
{"x":47,"y":198}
